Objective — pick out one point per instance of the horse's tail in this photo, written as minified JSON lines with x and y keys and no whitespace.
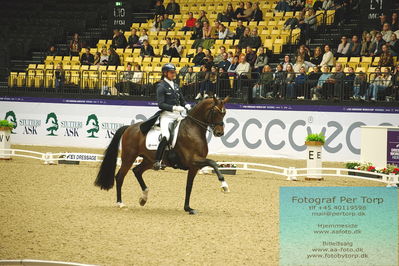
{"x":106,"y":175}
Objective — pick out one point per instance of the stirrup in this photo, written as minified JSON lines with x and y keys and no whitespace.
{"x":158,"y":165}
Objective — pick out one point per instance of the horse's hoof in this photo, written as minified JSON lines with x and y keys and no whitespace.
{"x":192,"y":212}
{"x":142,"y":201}
{"x":120,"y":204}
{"x":225,"y":189}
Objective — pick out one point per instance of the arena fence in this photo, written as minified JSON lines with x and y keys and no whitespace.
{"x":290,"y":173}
{"x":29,"y":262}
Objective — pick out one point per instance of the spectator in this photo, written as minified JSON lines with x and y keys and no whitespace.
{"x":239,"y":11}
{"x":172,"y":8}
{"x":52,"y":51}
{"x":237,"y":51}
{"x":290,"y":93}
{"x":113,"y":58}
{"x":118,"y":39}
{"x":132,"y":81}
{"x":204,"y":82}
{"x":394,"y":45}
{"x":336,"y":80}
{"x":310,"y":20}
{"x":279,"y":82}
{"x":394,"y":22}
{"x":282,"y":6}
{"x":317,"y":56}
{"x":87,"y":58}
{"x":395,"y":83}
{"x":321,"y":84}
{"x":232,"y":68}
{"x":376,"y":47}
{"x":224,"y":33}
{"x":349,"y":82}
{"x":199,"y":56}
{"x":133,"y":40}
{"x":299,"y":84}
{"x":359,"y":85}
{"x":300,"y":62}
{"x":318,"y":5}
{"x":202,"y":18}
{"x":75,"y":45}
{"x":380,"y":83}
{"x":354,"y":47}
{"x":167,"y":23}
{"x":257,"y":14}
{"x":197,"y":31}
{"x":147,"y":50}
{"x":179,"y":48}
{"x":386,"y":59}
{"x":247,"y":14}
{"x":227,"y":15}
{"x":190,"y":22}
{"x":266,"y":81}
{"x":143,"y":37}
{"x":225,"y":63}
{"x":328,"y":4}
{"x":239,"y":30}
{"x":159,"y":9}
{"x":208,"y":60}
{"x":230,"y":56}
{"x":190,"y":78}
{"x":215,"y":30}
{"x":313,"y":77}
{"x":250,"y":56}
{"x":97,"y":59}
{"x":261,"y":60}
{"x":245,"y":39}
{"x":305,"y":53}
{"x":287,"y":61}
{"x":206,"y":31}
{"x":59,"y":78}
{"x":223,"y":83}
{"x":366,"y":46}
{"x":386,"y":32}
{"x":328,"y":57}
{"x":104,"y":56}
{"x":219,"y":57}
{"x":213,"y":78}
{"x":255,"y":41}
{"x":292,"y":23}
{"x":244,"y":68}
{"x":383,"y":20}
{"x":343,"y":47}
{"x":167,"y":49}
{"x":296,"y":5}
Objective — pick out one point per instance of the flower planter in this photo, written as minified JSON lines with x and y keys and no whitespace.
{"x":227,"y":171}
{"x":314,"y":159}
{"x":5,"y":143}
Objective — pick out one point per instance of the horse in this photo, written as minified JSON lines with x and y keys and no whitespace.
{"x":189,"y":153}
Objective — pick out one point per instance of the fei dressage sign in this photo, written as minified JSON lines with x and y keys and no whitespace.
{"x":251,"y":130}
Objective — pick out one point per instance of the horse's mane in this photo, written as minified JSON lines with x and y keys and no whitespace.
{"x":200,"y":105}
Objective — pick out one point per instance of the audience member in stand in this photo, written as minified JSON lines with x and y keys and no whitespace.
{"x":261,"y":60}
{"x":239,"y":11}
{"x":366,"y":46}
{"x":118,"y":39}
{"x":257,"y":14}
{"x":336,"y":81}
{"x":328,"y":57}
{"x":247,"y":14}
{"x":380,"y":83}
{"x":250,"y":56}
{"x":354,"y":47}
{"x":190,"y":22}
{"x":147,"y":50}
{"x":159,"y":9}
{"x":59,"y":78}
{"x":173,"y":8}
{"x":75,"y":45}
{"x":225,"y":63}
{"x":321,"y":88}
{"x":203,"y":18}
{"x":386,"y":59}
{"x":343,"y":47}
{"x":348,"y":83}
{"x":52,"y":51}
{"x":199,"y":56}
{"x":113,"y":59}
{"x":393,"y":45}
{"x":386,"y":32}
{"x":227,"y":15}
{"x":376,"y":47}
{"x":359,"y":85}
{"x":239,"y":30}
{"x":287,"y":61}
{"x":317,"y":56}
{"x":87,"y":58}
{"x":197,"y":31}
{"x":133,"y":40}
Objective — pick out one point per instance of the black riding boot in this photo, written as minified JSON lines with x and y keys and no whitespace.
{"x":159,"y":155}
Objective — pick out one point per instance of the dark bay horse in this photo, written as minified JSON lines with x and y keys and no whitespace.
{"x":191,"y":150}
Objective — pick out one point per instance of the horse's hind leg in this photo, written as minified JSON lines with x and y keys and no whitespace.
{"x":127,"y":162}
{"x":138,"y":172}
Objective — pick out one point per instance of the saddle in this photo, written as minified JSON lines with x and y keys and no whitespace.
{"x":154,"y":135}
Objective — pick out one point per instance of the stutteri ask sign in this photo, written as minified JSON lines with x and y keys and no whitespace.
{"x":393,"y":147}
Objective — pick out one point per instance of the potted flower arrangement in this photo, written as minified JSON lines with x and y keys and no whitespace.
{"x":231,"y":171}
{"x":5,"y":134}
{"x":369,"y":167}
{"x":315,"y":139}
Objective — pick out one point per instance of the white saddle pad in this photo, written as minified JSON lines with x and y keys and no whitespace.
{"x":154,"y":137}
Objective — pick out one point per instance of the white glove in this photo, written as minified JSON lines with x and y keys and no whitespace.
{"x":188,"y":107}
{"x":178,"y":109}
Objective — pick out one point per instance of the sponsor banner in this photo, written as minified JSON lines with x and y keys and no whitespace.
{"x":393,"y":147}
{"x":81,"y":157}
{"x":252,"y":130}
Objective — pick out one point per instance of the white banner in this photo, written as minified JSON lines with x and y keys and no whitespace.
{"x":265,"y":133}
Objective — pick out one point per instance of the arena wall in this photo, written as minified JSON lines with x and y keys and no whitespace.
{"x":253,"y":130}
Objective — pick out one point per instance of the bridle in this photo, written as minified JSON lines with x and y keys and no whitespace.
{"x":210,"y":118}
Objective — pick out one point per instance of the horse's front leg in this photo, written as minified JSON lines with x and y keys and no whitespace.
{"x":192,"y":172}
{"x":214,"y":165}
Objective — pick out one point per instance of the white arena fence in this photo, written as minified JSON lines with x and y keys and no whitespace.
{"x":290,"y":173}
{"x":28,"y":262}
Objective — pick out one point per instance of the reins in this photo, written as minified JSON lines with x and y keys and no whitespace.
{"x":209,"y":123}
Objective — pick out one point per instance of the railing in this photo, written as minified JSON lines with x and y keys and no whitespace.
{"x":290,"y":173}
{"x":247,"y":87}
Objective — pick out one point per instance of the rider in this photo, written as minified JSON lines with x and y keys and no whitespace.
{"x":172,"y":104}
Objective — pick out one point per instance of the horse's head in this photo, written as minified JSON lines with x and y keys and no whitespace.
{"x":216,"y":114}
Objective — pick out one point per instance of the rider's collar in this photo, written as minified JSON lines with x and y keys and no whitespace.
{"x":170,"y":82}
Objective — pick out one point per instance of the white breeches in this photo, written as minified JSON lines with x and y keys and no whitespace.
{"x":165,"y":119}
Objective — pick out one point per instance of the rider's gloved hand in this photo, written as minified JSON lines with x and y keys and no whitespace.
{"x":188,"y":107}
{"x":178,"y":109}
